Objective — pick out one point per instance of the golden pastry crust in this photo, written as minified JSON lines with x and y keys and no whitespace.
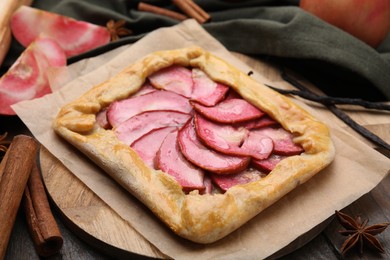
{"x":199,"y":218}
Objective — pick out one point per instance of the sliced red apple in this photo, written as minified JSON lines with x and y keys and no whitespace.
{"x":208,"y":184}
{"x":257,"y":146}
{"x":259,"y":123}
{"x":120,"y":111}
{"x":221,"y":137}
{"x":225,"y":182}
{"x":139,"y":125}
{"x":175,"y":78}
{"x":283,"y":143}
{"x":233,"y":141}
{"x":170,"y":160}
{"x":75,"y":37}
{"x":232,"y":94}
{"x":26,"y":79}
{"x":148,"y":145}
{"x":205,"y":158}
{"x":229,"y":111}
{"x":268,"y":164}
{"x":101,"y":119}
{"x":205,"y":90}
{"x":145,"y":89}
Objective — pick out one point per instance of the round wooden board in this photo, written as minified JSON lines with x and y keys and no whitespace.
{"x":97,"y":224}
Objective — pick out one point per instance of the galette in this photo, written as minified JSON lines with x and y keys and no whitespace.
{"x":202,"y":144}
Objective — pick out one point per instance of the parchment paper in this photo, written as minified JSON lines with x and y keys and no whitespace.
{"x":345,"y":180}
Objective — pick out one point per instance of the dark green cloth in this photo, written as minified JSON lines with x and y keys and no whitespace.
{"x":278,"y":31}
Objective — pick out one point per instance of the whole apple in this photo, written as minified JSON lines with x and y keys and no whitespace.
{"x":368,"y":20}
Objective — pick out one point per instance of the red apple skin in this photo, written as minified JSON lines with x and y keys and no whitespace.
{"x":368,"y":20}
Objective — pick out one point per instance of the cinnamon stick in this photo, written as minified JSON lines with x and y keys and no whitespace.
{"x":206,"y":17}
{"x":4,"y":158}
{"x":193,"y":10}
{"x":161,"y":11}
{"x":16,"y":169}
{"x":43,"y":228}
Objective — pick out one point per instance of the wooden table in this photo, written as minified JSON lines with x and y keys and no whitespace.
{"x":81,"y":245}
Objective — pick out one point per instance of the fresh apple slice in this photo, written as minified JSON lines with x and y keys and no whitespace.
{"x":205,"y":158}
{"x":283,"y":143}
{"x":120,"y":111}
{"x":59,"y":76}
{"x":268,"y":164}
{"x":205,"y":90}
{"x":175,"y":78}
{"x":232,"y":110}
{"x":75,"y":37}
{"x":139,"y":125}
{"x":148,"y":145}
{"x":26,"y":79}
{"x":225,"y":182}
{"x":170,"y":160}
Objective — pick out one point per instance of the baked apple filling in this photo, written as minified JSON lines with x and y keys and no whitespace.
{"x":199,"y":131}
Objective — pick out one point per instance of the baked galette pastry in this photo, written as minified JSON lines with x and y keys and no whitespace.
{"x":200,"y":143}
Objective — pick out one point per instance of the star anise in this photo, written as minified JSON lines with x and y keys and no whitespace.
{"x":359,"y":234}
{"x":117,"y":29}
{"x":3,"y":145}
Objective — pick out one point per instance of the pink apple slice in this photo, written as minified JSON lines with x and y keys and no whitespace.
{"x":145,"y":89}
{"x":139,"y":125}
{"x":148,"y":145}
{"x":58,"y":77}
{"x":205,"y":90}
{"x":26,"y":79}
{"x":175,"y":78}
{"x":120,"y":111}
{"x":101,"y":119}
{"x":268,"y":164}
{"x":221,"y":137}
{"x":233,"y":110}
{"x":205,"y":158}
{"x":170,"y":160}
{"x":257,"y":146}
{"x":75,"y":37}
{"x":259,"y":123}
{"x":225,"y":182}
{"x":208,"y":184}
{"x":283,"y":143}
{"x":233,"y":141}
{"x":232,"y":94}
